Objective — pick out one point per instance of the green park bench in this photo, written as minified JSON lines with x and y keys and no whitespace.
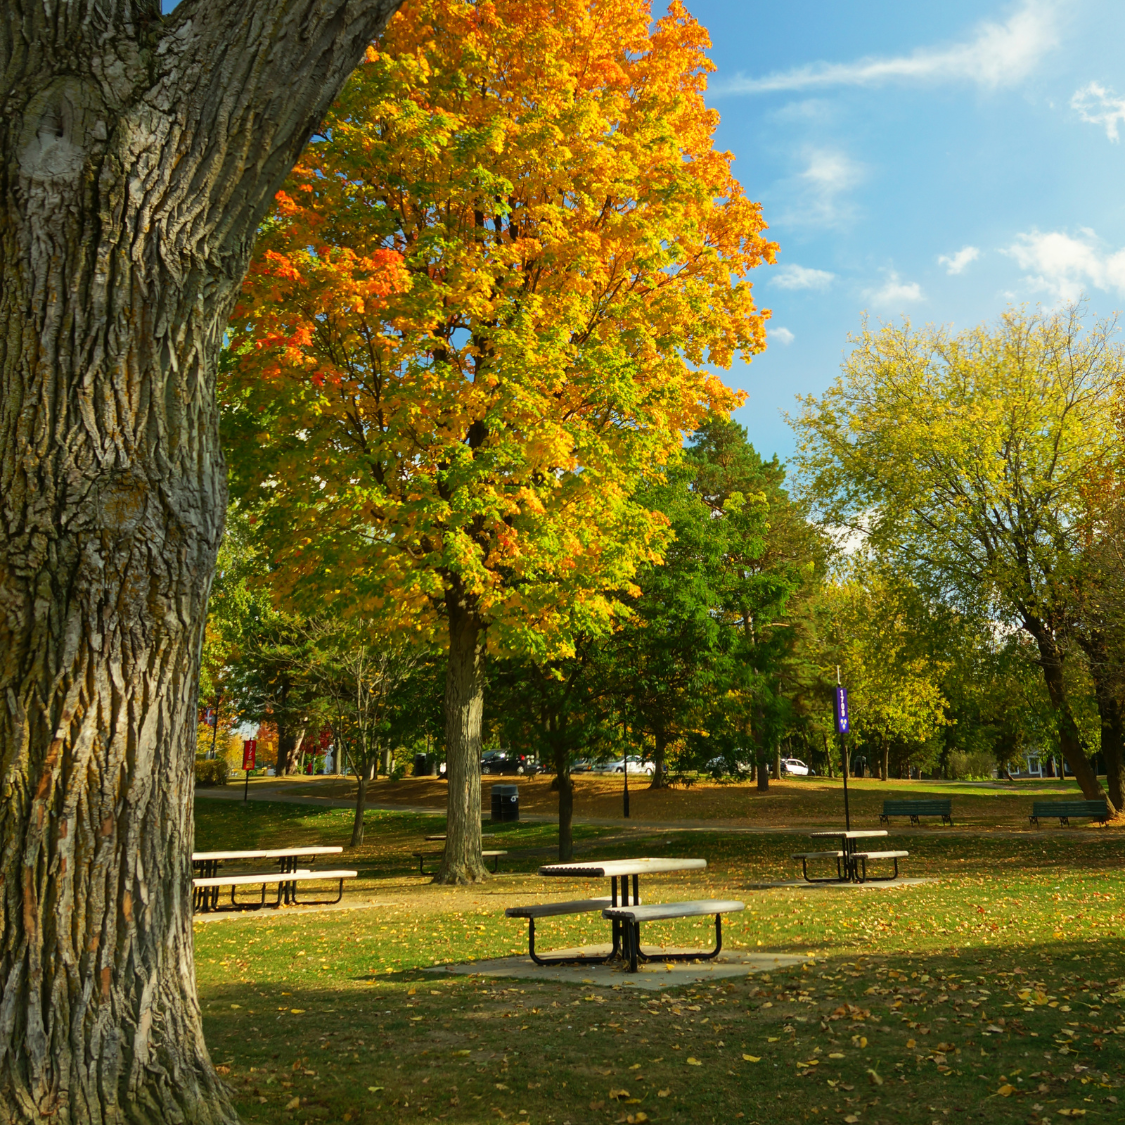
{"x":916,"y":809}
{"x":1064,"y":810}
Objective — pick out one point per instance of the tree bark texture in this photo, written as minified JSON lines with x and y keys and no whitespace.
{"x":464,"y":709}
{"x":137,"y":156}
{"x":885,"y":764}
{"x":1070,"y":744}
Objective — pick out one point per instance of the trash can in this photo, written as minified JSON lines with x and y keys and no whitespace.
{"x":505,"y":802}
{"x":422,"y":765}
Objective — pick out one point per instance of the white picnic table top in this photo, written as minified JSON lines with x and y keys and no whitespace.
{"x":611,"y":868}
{"x":854,"y":834}
{"x":270,"y":853}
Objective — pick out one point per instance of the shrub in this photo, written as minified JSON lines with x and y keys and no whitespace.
{"x":973,"y":764}
{"x":210,"y":771}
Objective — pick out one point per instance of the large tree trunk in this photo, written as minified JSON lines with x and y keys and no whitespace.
{"x":1050,"y":660}
{"x":464,"y":708}
{"x":885,"y":764}
{"x":137,"y":156}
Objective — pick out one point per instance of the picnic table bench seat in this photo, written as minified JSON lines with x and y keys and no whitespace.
{"x":804,"y":857}
{"x":935,"y":806}
{"x":863,"y":857}
{"x":285,"y":881}
{"x":435,"y":853}
{"x":632,"y":916}
{"x":1064,"y":810}
{"x":555,"y":910}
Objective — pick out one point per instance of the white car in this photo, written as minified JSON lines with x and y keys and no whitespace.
{"x":617,"y":765}
{"x":797,"y":767}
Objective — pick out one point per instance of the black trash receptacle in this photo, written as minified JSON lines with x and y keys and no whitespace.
{"x":421,"y":765}
{"x":505,"y":802}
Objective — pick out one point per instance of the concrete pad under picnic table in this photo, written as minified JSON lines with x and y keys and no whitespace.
{"x":652,"y":975}
{"x":871,"y":885}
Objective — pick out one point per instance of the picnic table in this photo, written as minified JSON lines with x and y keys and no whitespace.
{"x":205,"y":866}
{"x":624,"y":910}
{"x":851,"y":861}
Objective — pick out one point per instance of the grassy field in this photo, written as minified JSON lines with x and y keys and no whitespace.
{"x":790,"y":803}
{"x":997,"y":991}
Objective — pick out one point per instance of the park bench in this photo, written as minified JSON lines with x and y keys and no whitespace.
{"x":436,"y":853}
{"x":632,"y":916}
{"x":285,"y":881}
{"x":555,"y":910}
{"x":863,"y":857}
{"x":1064,"y":810}
{"x":915,"y":809}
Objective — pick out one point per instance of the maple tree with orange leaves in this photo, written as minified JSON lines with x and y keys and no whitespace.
{"x":485,"y":310}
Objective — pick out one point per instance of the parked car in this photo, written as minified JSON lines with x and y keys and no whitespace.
{"x":498,"y":761}
{"x":617,"y":765}
{"x":583,"y":765}
{"x":796,"y":767}
{"x":723,"y":767}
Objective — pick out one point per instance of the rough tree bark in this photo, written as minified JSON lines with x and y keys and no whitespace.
{"x":1051,"y":661}
{"x":137,"y":156}
{"x":464,"y":708}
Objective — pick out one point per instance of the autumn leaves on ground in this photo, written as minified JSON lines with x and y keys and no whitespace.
{"x":995,"y":990}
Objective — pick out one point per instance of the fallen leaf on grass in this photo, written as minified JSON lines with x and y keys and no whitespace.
{"x":374,"y":1089}
{"x":618,"y":1095}
{"x":911,"y":1044}
{"x":501,"y":1086}
{"x":835,"y":1054}
{"x":297,"y":1011}
{"x":874,"y":1078}
{"x":693,"y":1062}
{"x":462,"y":1053}
{"x":994,"y":1029}
{"x":1072,"y":1113}
{"x":663,"y":1093}
{"x":752,"y":1058}
{"x":851,"y":1119}
{"x":293,"y":1104}
{"x":1006,"y":1091}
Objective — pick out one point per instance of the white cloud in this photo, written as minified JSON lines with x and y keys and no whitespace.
{"x":1065,"y":266}
{"x":1100,"y":106}
{"x":895,"y":292}
{"x":801,"y":277}
{"x":816,"y":193}
{"x":956,"y":263}
{"x":997,"y":54}
{"x":782,"y":335}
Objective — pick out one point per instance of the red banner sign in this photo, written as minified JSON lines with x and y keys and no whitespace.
{"x":249,"y":751}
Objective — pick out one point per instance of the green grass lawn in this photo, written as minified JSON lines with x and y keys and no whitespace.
{"x":996,"y":992}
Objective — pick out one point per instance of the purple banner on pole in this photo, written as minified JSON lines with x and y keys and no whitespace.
{"x":842,"y":710}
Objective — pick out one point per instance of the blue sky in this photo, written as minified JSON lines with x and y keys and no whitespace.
{"x":940,"y":161}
